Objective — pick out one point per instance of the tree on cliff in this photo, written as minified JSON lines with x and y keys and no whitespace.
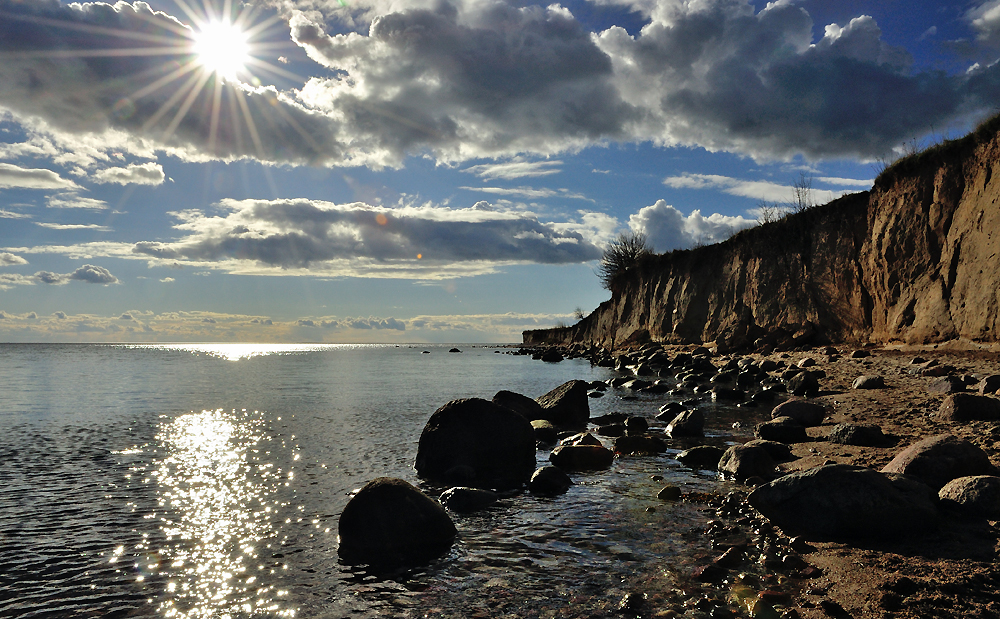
{"x":620,"y":255}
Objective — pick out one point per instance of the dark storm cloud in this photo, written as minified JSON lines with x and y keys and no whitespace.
{"x":93,"y":66}
{"x":302,"y":233}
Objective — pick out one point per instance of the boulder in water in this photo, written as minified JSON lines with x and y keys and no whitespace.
{"x":581,"y":457}
{"x":465,"y":500}
{"x":390,"y":522}
{"x":567,"y":404}
{"x":475,"y":442}
{"x":520,"y":404}
{"x":687,"y":423}
{"x":549,"y":481}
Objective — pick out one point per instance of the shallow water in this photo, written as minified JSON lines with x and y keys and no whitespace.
{"x":158,"y":481}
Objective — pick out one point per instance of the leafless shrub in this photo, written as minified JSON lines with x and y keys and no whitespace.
{"x":620,"y":255}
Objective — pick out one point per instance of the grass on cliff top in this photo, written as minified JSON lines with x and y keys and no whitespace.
{"x":984,"y":132}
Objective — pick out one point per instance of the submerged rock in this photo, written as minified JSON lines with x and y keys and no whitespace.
{"x":465,"y":500}
{"x":581,"y":457}
{"x":475,"y":442}
{"x":701,"y":457}
{"x":840,"y":501}
{"x":390,"y":522}
{"x":549,"y":481}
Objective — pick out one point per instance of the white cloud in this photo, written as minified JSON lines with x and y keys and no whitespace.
{"x":837,"y":180}
{"x":4,"y":214}
{"x":71,"y":200}
{"x":668,"y":229}
{"x":321,"y":238}
{"x":8,"y":259}
{"x":135,"y":174}
{"x":12,"y":176}
{"x":88,"y":273}
{"x":518,"y":168}
{"x":53,"y":226}
{"x":530,"y":193}
{"x":758,"y":190}
{"x":985,"y":20}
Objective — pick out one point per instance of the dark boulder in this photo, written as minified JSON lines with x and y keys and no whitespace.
{"x":609,"y":418}
{"x":520,"y":404}
{"x":741,"y":462}
{"x":549,"y":481}
{"x":390,"y":522}
{"x":474,"y":442}
{"x":940,"y":459}
{"x":807,"y":413}
{"x":782,"y":430}
{"x":804,"y":384}
{"x":582,"y":438}
{"x":976,"y":496}
{"x":567,"y":404}
{"x":581,"y":457}
{"x":840,"y":501}
{"x":552,"y":356}
{"x":636,"y":425}
{"x":988,"y":385}
{"x":466,"y":500}
{"x":612,"y":429}
{"x":545,"y":432}
{"x":969,"y":407}
{"x":701,"y":457}
{"x":863,"y":435}
{"x":779,"y":452}
{"x":687,"y":423}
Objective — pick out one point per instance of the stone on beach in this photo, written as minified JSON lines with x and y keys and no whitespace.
{"x":390,"y":522}
{"x":969,"y":407}
{"x":804,"y":383}
{"x":475,"y":442}
{"x":567,"y":404}
{"x":840,"y":501}
{"x":863,"y":435}
{"x":988,"y":385}
{"x":779,"y":452}
{"x":868,"y":382}
{"x":807,"y":413}
{"x":741,"y":462}
{"x":701,"y":457}
{"x":977,"y":496}
{"x":782,"y":430}
{"x":939,"y":459}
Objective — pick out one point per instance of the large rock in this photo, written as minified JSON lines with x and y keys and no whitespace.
{"x":977,"y":496}
{"x":474,"y":442}
{"x":969,"y":407}
{"x":940,"y":459}
{"x":804,"y":384}
{"x":521,"y":404}
{"x":946,"y":384}
{"x":840,"y":501}
{"x":581,"y":457}
{"x":989,"y":384}
{"x":741,"y":462}
{"x":545,"y":432}
{"x":687,"y":423}
{"x":782,"y":430}
{"x":779,"y":452}
{"x":567,"y":404}
{"x":639,"y":445}
{"x":390,"y":522}
{"x":807,"y":413}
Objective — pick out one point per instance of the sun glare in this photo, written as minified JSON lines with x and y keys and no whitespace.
{"x":222,"y":48}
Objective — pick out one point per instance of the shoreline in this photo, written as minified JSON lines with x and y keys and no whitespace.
{"x":948,"y":572}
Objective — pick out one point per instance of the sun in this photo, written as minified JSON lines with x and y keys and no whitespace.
{"x":222,"y":48}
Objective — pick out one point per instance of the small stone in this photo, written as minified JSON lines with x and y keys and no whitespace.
{"x":669,"y":493}
{"x":868,"y":382}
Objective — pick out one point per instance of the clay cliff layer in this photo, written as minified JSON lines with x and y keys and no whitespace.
{"x":912,"y":261}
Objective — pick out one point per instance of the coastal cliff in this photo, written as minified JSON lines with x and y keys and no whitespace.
{"x":913,"y":260}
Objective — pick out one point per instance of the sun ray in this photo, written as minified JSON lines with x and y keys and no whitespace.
{"x":182,"y":112}
{"x":213,"y":128}
{"x":169,"y":103}
{"x":234,"y":119}
{"x":251,"y":124}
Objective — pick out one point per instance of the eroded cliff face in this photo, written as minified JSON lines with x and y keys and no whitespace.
{"x":914,"y":261}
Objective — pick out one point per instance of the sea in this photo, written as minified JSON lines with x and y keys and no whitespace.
{"x":206,"y":481}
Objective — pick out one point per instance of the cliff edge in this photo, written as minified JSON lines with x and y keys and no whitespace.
{"x":913,"y":261}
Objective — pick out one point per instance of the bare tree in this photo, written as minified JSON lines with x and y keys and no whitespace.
{"x":578,"y":314}
{"x":802,"y":197}
{"x":620,"y":255}
{"x":767,"y":212}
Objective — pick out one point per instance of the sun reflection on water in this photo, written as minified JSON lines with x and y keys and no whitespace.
{"x":234,"y":351}
{"x":218,"y":497}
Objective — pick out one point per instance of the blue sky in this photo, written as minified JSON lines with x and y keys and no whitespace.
{"x":427,"y":170}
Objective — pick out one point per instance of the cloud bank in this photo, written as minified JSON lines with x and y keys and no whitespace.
{"x":668,"y":229}
{"x":485,"y":79}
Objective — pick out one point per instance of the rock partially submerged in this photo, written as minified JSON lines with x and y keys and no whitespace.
{"x":701,"y":457}
{"x":549,"y":481}
{"x":465,"y":500}
{"x":581,"y":457}
{"x":474,"y":442}
{"x":687,"y":423}
{"x":390,"y":522}
{"x":840,"y":501}
{"x":567,"y":404}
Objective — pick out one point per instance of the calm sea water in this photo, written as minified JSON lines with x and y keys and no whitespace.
{"x":204,"y":481}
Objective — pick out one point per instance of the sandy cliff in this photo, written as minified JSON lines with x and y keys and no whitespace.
{"x":912,"y":261}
